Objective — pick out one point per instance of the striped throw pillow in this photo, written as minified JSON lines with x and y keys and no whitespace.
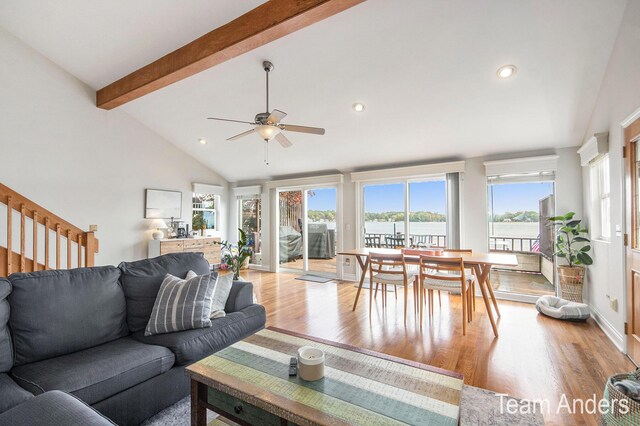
{"x":181,"y":304}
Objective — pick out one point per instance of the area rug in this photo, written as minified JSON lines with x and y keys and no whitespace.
{"x":365,"y":286}
{"x":479,"y":407}
{"x":314,"y":278}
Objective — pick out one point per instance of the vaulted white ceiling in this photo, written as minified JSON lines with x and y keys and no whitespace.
{"x":425,"y":69}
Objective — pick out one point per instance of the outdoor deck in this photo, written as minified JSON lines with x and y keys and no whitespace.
{"x":526,"y":278}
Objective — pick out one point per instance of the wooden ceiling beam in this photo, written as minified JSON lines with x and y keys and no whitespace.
{"x":262,"y":25}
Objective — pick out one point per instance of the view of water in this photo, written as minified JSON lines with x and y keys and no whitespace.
{"x":497,"y":229}
{"x":500,"y":229}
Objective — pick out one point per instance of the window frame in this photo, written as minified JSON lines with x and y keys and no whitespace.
{"x":600,"y":185}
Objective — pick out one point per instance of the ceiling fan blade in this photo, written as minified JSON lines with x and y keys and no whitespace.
{"x":302,"y":129}
{"x":227,"y":119}
{"x":275,"y":116}
{"x":286,"y":143}
{"x":238,"y":136}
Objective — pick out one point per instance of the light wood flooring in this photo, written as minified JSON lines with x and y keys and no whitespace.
{"x":534,"y":357}
{"x":315,"y":265}
{"x":521,"y":282}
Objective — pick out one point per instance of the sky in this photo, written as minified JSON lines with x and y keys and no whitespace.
{"x":431,"y":196}
{"x":518,"y":196}
{"x":423,"y":196}
{"x":324,"y":199}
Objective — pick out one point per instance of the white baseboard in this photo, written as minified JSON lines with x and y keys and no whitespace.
{"x":259,"y":267}
{"x":608,"y":329}
{"x":349,"y":277}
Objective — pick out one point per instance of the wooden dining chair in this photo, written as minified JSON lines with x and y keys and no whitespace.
{"x":447,"y":274}
{"x":470,"y":276}
{"x":391,"y":269}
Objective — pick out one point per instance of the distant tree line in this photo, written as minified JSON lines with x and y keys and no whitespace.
{"x":521,"y":216}
{"x":330,"y":216}
{"x":399,"y":217}
{"x":322,"y":215}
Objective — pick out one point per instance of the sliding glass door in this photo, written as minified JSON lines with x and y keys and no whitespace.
{"x":419,"y":206}
{"x":321,"y":231}
{"x":308,"y":231}
{"x":384,"y":216}
{"x":290,"y":229}
{"x":428,"y":213}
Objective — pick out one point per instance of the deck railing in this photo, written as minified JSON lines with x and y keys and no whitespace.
{"x":514,"y":244}
{"x":374,"y":240}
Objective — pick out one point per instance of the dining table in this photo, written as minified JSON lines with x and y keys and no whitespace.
{"x":480,"y":262}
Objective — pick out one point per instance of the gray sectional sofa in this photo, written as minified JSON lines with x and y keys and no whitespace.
{"x":68,"y":337}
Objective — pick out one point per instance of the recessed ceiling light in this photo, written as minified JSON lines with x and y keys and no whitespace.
{"x":202,"y":141}
{"x":506,"y":71}
{"x":358,"y":107}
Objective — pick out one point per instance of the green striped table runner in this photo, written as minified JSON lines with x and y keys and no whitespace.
{"x":357,"y":388}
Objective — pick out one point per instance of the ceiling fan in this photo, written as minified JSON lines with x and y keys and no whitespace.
{"x":268,"y":125}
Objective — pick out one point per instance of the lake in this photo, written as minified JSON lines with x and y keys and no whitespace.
{"x":498,"y":229}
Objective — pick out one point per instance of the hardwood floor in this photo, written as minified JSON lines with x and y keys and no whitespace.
{"x":535,"y":357}
{"x":315,"y":265}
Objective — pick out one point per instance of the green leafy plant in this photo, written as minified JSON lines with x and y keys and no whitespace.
{"x":571,"y":242}
{"x":234,"y":256}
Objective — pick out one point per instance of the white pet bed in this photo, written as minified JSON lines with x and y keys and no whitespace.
{"x":555,"y":307}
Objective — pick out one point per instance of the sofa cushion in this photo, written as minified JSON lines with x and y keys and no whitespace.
{"x":240,"y":297}
{"x":53,"y":409}
{"x":60,"y":312}
{"x":141,"y":281}
{"x":96,"y":373}
{"x":193,"y":345}
{"x":6,"y":351}
{"x":11,"y":394}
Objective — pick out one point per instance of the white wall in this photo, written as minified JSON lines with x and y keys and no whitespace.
{"x":87,"y":165}
{"x":619,"y":97}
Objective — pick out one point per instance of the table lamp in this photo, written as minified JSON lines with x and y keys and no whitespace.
{"x":158,"y":225}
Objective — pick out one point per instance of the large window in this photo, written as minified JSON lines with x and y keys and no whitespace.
{"x":519,"y":207}
{"x":600,"y":196}
{"x":390,"y":209}
{"x":204,"y":213}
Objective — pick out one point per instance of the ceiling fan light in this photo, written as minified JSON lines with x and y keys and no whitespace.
{"x":267,"y":132}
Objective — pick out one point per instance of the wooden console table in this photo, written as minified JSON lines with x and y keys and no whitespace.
{"x":210,"y":246}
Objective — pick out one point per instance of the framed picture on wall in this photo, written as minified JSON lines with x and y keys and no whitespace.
{"x":161,"y":204}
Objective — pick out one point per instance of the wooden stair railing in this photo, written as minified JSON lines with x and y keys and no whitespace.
{"x":43,"y":223}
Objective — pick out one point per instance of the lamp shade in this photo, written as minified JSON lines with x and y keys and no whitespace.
{"x":267,"y":132}
{"x":158,"y":224}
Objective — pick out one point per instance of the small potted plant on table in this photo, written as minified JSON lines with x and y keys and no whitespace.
{"x":572,"y":245}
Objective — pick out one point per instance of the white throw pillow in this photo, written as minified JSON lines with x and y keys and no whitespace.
{"x":220,"y":295}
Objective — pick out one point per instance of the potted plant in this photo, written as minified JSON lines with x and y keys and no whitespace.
{"x":572,"y":245}
{"x":235,"y":256}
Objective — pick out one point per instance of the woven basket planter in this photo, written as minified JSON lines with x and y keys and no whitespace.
{"x":571,"y":280}
{"x":616,"y":416}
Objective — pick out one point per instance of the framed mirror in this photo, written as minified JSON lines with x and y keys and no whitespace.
{"x":161,"y":204}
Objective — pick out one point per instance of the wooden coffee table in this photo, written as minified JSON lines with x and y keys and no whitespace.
{"x":248,"y":383}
